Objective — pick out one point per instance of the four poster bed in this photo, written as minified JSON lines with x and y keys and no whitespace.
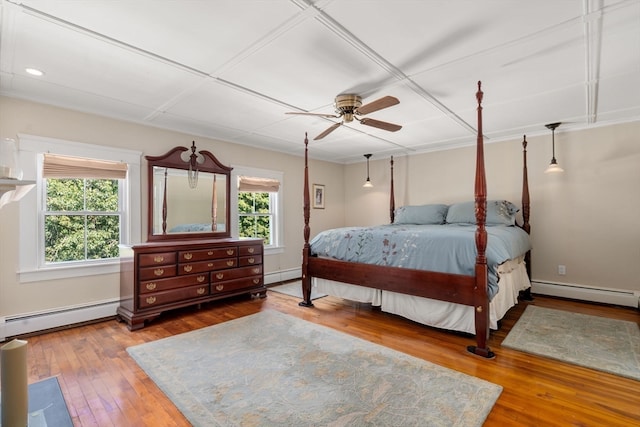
{"x":478,"y":264}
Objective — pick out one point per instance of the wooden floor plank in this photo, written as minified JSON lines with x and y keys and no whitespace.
{"x":103,"y":386}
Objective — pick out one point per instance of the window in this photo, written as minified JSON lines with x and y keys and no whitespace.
{"x":84,"y":207}
{"x":81,"y":219}
{"x":256,"y":205}
{"x":255,"y":216}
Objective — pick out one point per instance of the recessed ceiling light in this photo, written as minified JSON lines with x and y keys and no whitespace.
{"x":34,"y":72}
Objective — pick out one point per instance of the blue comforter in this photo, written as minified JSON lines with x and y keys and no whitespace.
{"x":448,"y":248}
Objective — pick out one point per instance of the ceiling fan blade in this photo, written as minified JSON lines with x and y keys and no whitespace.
{"x":328,"y":131}
{"x":315,"y":114}
{"x":378,"y":104}
{"x":380,"y":124}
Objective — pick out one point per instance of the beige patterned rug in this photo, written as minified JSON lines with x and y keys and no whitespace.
{"x":595,"y":342}
{"x":272,"y":369}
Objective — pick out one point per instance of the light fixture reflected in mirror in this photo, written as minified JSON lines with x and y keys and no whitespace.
{"x":553,"y":166}
{"x":192,"y":173}
{"x":367,"y":183}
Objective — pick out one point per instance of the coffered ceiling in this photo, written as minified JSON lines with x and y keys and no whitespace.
{"x":231,"y":69}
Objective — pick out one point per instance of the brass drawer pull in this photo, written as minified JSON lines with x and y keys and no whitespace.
{"x":251,"y":250}
{"x":230,"y":263}
{"x":158,"y":271}
{"x":151,"y":300}
{"x":251,"y":260}
{"x":255,"y":270}
{"x":230,"y":251}
{"x":220,"y":276}
{"x":210,"y":264}
{"x":200,"y":279}
{"x":188,"y":255}
{"x":151,"y":286}
{"x":188,"y":268}
{"x":158,"y":259}
{"x":201,"y":291}
{"x":256,"y":281}
{"x":219,"y":287}
{"x":210,"y":253}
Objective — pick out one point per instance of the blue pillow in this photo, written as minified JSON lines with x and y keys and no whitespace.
{"x":424,"y":214}
{"x":499,"y":212}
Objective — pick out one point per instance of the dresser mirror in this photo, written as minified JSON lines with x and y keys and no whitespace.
{"x":188,"y":195}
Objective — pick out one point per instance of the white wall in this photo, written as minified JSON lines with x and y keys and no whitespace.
{"x":585,"y":218}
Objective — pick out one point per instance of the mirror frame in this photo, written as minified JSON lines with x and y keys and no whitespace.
{"x":173,"y":159}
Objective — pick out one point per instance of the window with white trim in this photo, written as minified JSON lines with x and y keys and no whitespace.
{"x":256,"y":205}
{"x":85,"y":206}
{"x":83,"y":210}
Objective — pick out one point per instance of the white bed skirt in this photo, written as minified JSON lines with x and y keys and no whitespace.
{"x":440,"y":314}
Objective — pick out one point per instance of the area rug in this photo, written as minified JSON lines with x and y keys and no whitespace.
{"x":595,"y":342}
{"x":47,"y":407}
{"x":272,"y":369}
{"x":294,"y":289}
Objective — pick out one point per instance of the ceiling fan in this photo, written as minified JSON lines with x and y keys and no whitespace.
{"x":349,"y":107}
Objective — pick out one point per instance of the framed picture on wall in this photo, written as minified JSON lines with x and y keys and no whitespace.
{"x":318,"y":196}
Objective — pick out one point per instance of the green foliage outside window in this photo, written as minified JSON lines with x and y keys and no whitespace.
{"x":82,"y":221}
{"x":255,"y":217}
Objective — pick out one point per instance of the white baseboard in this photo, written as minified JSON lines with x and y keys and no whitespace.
{"x":621,"y":297}
{"x":11,"y":326}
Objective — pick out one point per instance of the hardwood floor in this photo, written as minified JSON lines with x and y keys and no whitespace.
{"x":103,"y":386}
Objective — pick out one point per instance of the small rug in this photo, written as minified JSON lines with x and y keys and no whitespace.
{"x":595,"y":342}
{"x":294,"y":289}
{"x":47,"y":407}
{"x":272,"y":369}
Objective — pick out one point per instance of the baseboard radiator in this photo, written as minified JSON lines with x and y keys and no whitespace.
{"x":282,"y":276}
{"x":620,"y":297}
{"x":22,"y":324}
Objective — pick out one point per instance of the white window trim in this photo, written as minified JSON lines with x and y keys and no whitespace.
{"x":237,"y":171}
{"x":31,"y":264}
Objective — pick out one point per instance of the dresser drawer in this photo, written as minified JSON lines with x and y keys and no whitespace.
{"x":157,"y":272}
{"x":250,"y":250}
{"x":173,"y":282}
{"x":216,"y":264}
{"x":205,"y":254}
{"x":224,"y":275}
{"x":232,"y":285}
{"x":175,"y":295}
{"x":249,"y":260}
{"x":162,"y":258}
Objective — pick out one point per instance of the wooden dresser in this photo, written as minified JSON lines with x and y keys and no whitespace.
{"x":160,"y":276}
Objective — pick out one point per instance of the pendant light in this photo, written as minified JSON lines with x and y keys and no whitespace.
{"x":553,"y":166}
{"x":367,"y":183}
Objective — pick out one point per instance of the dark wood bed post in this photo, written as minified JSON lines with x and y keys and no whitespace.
{"x":481,"y":299}
{"x":306,"y":250}
{"x":392,"y":197}
{"x":526,"y":295}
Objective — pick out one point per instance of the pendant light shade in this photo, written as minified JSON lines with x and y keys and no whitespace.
{"x":367,"y":183}
{"x":553,"y":166}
